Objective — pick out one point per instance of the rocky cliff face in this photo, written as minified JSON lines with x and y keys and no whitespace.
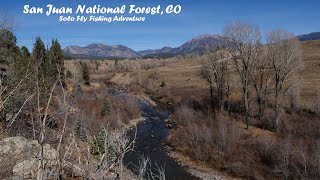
{"x":20,"y":159}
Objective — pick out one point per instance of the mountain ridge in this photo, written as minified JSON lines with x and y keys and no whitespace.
{"x":309,"y":37}
{"x":197,"y":45}
{"x":100,"y":50}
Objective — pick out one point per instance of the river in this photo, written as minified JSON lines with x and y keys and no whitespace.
{"x":151,"y":139}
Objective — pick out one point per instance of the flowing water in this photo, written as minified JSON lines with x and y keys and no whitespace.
{"x":150,"y":142}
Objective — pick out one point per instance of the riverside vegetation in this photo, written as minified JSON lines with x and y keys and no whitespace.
{"x":246,"y":109}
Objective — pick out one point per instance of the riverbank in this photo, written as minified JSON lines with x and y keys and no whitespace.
{"x":198,"y":169}
{"x":151,"y":137}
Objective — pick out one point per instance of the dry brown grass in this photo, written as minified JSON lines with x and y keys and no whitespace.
{"x":310,"y":73}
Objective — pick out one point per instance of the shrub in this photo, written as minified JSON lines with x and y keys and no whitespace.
{"x":97,"y":64}
{"x":154,"y":75}
{"x":69,"y":74}
{"x":184,"y":115}
{"x":163,"y":84}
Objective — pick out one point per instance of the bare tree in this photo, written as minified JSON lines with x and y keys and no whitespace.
{"x":215,"y":71}
{"x":261,"y":79}
{"x":243,"y":45}
{"x":316,"y":156}
{"x":6,"y":21}
{"x":144,"y":165}
{"x":294,"y":93}
{"x":116,"y":145}
{"x":300,"y":161}
{"x":318,"y":102}
{"x":227,"y":136}
{"x":139,"y":76}
{"x":145,"y":171}
{"x":283,"y":165}
{"x":206,"y":74}
{"x":284,"y":53}
{"x":42,"y":165}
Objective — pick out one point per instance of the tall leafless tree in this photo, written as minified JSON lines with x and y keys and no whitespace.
{"x":284,"y":53}
{"x":294,"y":93}
{"x":215,"y":71}
{"x":243,"y":45}
{"x":206,"y":74}
{"x":318,"y":102}
{"x":261,"y":79}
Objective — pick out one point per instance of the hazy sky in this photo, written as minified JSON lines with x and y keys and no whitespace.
{"x":197,"y":17}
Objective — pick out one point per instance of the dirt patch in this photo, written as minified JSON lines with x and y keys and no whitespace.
{"x":93,"y":86}
{"x":121,"y":79}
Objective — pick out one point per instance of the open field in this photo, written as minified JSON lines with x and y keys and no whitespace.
{"x":310,"y":73}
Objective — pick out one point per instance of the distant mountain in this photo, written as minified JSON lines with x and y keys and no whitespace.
{"x":201,"y":44}
{"x":163,"y":50}
{"x":100,"y":51}
{"x":309,"y":37}
{"x":197,"y":45}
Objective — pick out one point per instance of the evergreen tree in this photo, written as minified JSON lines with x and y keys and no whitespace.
{"x":56,"y":60}
{"x":98,"y":144}
{"x":86,"y":74}
{"x":69,"y":74}
{"x":106,"y":108}
{"x":8,"y":50}
{"x":25,"y":52}
{"x":80,"y":131}
{"x":40,"y":56}
{"x":101,"y":145}
{"x":40,"y":71}
{"x":22,"y":64}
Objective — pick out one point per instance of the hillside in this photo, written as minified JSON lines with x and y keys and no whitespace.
{"x":100,"y":50}
{"x":310,"y":72}
{"x":309,"y":37}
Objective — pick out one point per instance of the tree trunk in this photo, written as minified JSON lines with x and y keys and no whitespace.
{"x":278,"y":113}
{"x":246,"y":105}
{"x":212,"y":101}
{"x":221,"y":102}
